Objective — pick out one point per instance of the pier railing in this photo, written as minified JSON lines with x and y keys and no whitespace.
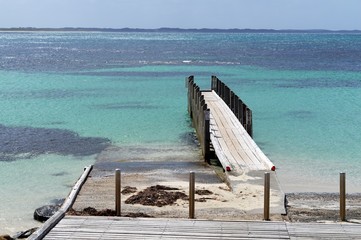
{"x":238,"y":107}
{"x":200,"y":114}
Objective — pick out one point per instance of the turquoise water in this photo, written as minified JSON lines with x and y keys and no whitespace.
{"x":66,"y":97}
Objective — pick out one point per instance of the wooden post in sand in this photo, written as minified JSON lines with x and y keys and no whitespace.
{"x":343,"y":196}
{"x":117,"y":192}
{"x":266,"y":196}
{"x":191,"y":194}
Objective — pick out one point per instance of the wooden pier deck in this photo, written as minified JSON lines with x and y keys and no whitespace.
{"x":75,"y":227}
{"x":222,"y":120}
{"x":234,"y":147}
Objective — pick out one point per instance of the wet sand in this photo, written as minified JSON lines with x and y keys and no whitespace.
{"x":322,"y":207}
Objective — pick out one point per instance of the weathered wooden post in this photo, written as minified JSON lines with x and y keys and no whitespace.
{"x":267,"y":186}
{"x":244,"y":115}
{"x":214,"y":83}
{"x":227,"y":95}
{"x":232,"y":105}
{"x":249,"y":126}
{"x":207,"y":134}
{"x":221,"y":89}
{"x":240,"y":111}
{"x":343,"y":196}
{"x":117,"y":192}
{"x":236,"y":106}
{"x":197,"y":104}
{"x":190,"y":81}
{"x":191,"y":194}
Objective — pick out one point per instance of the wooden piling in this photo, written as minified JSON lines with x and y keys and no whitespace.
{"x":117,"y":192}
{"x":214,"y":83}
{"x":267,"y":186}
{"x":199,"y":114}
{"x":236,"y":106}
{"x":249,"y":127}
{"x":191,"y":194}
{"x":342,"y":196}
{"x":207,"y":137}
{"x":232,"y":100}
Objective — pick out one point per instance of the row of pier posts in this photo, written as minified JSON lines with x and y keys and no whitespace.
{"x":238,"y":107}
{"x":266,"y":206}
{"x":200,"y":115}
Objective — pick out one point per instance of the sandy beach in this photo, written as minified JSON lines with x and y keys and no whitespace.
{"x":243,"y":203}
{"x":220,"y":202}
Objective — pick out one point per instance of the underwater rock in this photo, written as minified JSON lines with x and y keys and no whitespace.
{"x":45,"y":212}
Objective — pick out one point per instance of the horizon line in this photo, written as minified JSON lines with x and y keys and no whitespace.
{"x":169,"y":29}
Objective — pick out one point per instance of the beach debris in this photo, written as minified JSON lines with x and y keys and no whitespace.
{"x":138,"y":214}
{"x":128,"y":190}
{"x":24,"y":234}
{"x":203,"y":199}
{"x":157,"y":196}
{"x":89,"y":211}
{"x":204,"y":192}
{"x":225,"y":188}
{"x":5,"y":237}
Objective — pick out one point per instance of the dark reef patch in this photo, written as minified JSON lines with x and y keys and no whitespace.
{"x":301,"y":114}
{"x":26,"y":142}
{"x":189,"y":138}
{"x":140,"y":74}
{"x":121,"y":106}
{"x":321,"y":83}
{"x":59,"y":174}
{"x":53,"y":93}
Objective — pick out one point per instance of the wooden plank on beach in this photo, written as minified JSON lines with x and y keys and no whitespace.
{"x":69,"y":201}
{"x":233,"y":145}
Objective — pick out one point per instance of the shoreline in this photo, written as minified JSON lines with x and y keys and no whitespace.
{"x":300,"y":206}
{"x":149,"y":161}
{"x":143,"y":168}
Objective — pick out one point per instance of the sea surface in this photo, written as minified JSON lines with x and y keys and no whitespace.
{"x":66,"y":97}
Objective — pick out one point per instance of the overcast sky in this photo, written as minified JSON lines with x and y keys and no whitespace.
{"x":255,"y":14}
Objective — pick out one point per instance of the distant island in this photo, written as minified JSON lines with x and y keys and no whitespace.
{"x":200,"y":30}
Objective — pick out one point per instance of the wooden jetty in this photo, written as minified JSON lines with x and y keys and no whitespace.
{"x":86,"y":227}
{"x":222,"y":120}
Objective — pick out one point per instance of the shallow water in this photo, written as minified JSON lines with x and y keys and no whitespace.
{"x":67,"y":97}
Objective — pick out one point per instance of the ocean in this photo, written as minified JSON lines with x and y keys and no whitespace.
{"x":66,"y":97}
